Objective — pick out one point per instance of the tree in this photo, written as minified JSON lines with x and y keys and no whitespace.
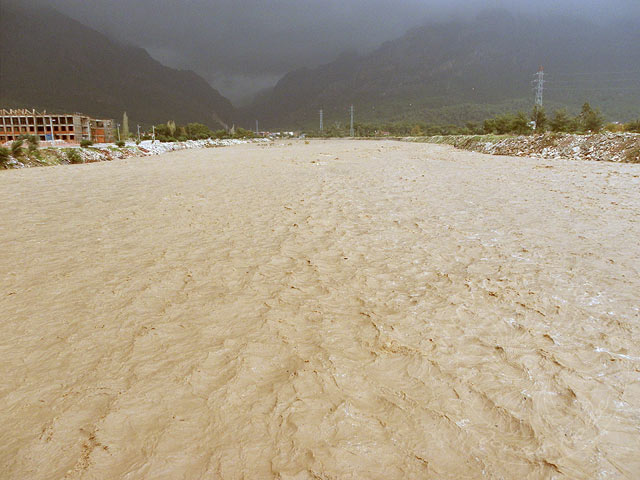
{"x":125,"y":126}
{"x":520,"y":124}
{"x":590,"y":120}
{"x":242,"y":133}
{"x":416,"y":131}
{"x":198,"y":131}
{"x":502,"y":124}
{"x":171,"y":126}
{"x":562,"y":122}
{"x":539,"y":117}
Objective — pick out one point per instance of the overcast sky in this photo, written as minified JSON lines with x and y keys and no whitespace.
{"x":240,"y":46}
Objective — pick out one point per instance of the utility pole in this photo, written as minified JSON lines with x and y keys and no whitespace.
{"x":539,"y":86}
{"x":138,"y":133}
{"x":153,"y":135}
{"x":321,"y":121}
{"x":351,"y":129}
{"x":118,"y":131}
{"x":256,"y":127}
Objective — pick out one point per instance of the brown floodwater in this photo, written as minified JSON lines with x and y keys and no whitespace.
{"x":336,"y":310}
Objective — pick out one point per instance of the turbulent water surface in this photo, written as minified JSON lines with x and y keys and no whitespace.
{"x":343,"y":309}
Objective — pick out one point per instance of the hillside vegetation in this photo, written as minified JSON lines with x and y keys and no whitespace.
{"x":457,"y":72}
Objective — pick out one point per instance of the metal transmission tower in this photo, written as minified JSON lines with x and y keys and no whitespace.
{"x":539,"y":82}
{"x":321,"y":121}
{"x":351,"y":133}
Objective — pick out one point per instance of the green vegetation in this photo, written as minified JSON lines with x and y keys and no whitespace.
{"x":633,"y":126}
{"x":588,"y":121}
{"x":563,"y":123}
{"x":86,"y":143}
{"x":120,"y":143}
{"x":73,"y":156}
{"x":33,"y":142}
{"x":16,"y":148}
{"x":539,"y":118}
{"x":169,"y":132}
{"x":4,"y":156}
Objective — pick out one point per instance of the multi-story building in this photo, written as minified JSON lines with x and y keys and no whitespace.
{"x":69,"y":128}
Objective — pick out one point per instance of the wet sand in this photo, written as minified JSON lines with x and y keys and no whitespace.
{"x":337,"y":310}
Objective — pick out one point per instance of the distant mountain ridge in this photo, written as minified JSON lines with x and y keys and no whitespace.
{"x":465,"y":71}
{"x":50,"y":61}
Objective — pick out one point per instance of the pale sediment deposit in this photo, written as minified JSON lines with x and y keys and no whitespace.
{"x":601,"y":147}
{"x":333,"y":310}
{"x":106,"y":152}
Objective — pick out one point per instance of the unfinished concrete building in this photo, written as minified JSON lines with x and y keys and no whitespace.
{"x":68,"y":128}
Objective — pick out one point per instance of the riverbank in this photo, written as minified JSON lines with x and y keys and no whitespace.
{"x":607,"y":147}
{"x":50,"y":156}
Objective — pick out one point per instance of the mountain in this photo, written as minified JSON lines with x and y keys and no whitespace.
{"x":462,"y":71}
{"x":50,"y":61}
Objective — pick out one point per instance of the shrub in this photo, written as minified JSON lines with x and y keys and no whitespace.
{"x":4,"y":156}
{"x":73,"y":156}
{"x":520,"y":124}
{"x":120,"y":143}
{"x":16,"y":148}
{"x":562,"y":122}
{"x":33,"y":142}
{"x":614,"y":127}
{"x":633,"y":127}
{"x":86,"y":143}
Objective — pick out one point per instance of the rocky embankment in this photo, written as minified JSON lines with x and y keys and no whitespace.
{"x":107,"y":152}
{"x":605,"y":147}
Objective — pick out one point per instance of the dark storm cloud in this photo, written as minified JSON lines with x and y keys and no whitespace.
{"x":243,"y":45}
